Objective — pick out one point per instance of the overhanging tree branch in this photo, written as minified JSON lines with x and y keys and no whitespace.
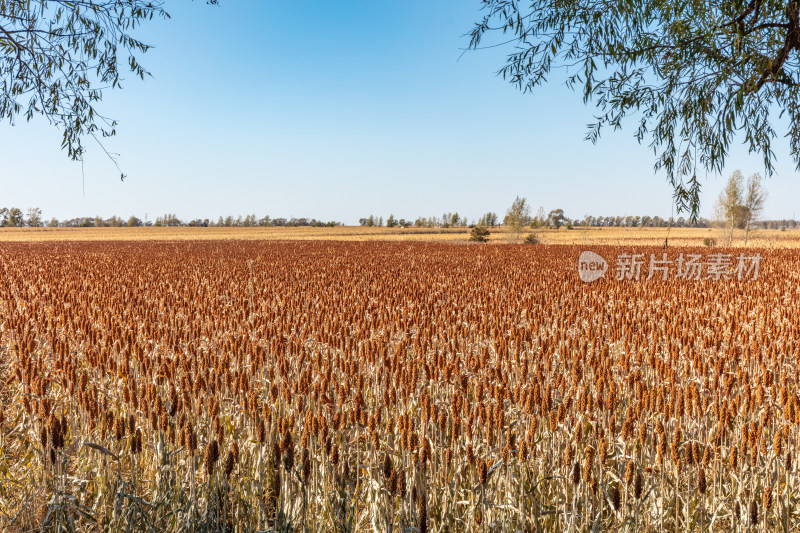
{"x":694,"y":75}
{"x":57,"y":57}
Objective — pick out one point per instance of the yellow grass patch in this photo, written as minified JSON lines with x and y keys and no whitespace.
{"x":578,"y":236}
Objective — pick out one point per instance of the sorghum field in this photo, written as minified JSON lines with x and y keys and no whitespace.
{"x":366,"y":386}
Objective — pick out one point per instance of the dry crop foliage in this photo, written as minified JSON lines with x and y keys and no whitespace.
{"x":287,"y":386}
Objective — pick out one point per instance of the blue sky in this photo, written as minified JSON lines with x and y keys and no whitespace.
{"x":336,"y":110}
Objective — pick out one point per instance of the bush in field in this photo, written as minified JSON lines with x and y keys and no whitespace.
{"x":531,"y":238}
{"x":479,"y":234}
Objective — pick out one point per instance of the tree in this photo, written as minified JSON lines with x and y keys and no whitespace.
{"x":57,"y":57}
{"x":11,"y":217}
{"x":451,"y":219}
{"x":518,"y":215}
{"x":489,"y":219}
{"x":692,"y":76}
{"x":753,"y":202}
{"x":730,"y":207}
{"x":169,"y":219}
{"x":556,"y":218}
{"x":114,"y":222}
{"x":540,"y":219}
{"x":34,"y":217}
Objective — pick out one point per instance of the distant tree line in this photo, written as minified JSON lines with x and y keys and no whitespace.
{"x":636,"y":221}
{"x":14,"y":217}
{"x":247,"y":222}
{"x":517,"y":218}
{"x":447,"y":220}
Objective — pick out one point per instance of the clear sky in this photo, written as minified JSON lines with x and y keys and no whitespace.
{"x":336,"y":110}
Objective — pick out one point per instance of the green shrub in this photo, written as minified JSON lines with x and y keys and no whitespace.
{"x":709,"y":241}
{"x":479,"y":234}
{"x":531,"y":238}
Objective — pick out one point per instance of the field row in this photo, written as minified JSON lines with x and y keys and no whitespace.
{"x":583,"y":236}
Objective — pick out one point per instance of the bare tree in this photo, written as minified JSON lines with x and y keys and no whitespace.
{"x":753,"y":202}
{"x":730,"y":208}
{"x":518,"y":215}
{"x":540,"y":219}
